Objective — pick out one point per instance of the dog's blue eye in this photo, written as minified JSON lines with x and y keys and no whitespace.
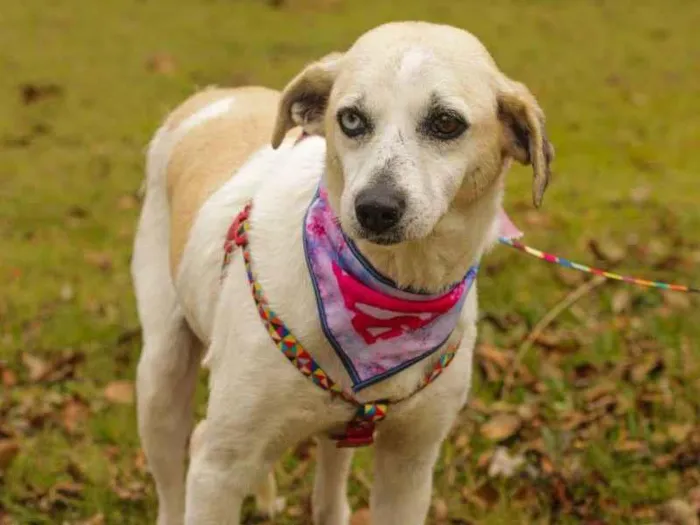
{"x":352,"y":122}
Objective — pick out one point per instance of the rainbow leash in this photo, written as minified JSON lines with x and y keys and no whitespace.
{"x":595,"y":271}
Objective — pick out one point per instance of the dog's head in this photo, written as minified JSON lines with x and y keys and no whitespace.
{"x":414,"y":114}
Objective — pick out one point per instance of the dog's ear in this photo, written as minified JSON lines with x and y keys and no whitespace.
{"x":304,"y":100}
{"x":525,"y":138}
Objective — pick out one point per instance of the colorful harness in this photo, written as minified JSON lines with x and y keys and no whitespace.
{"x":360,"y":430}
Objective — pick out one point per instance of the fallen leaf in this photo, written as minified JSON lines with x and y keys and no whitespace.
{"x":73,"y":414}
{"x":361,"y":517}
{"x":32,"y":93}
{"x":501,"y":427}
{"x":162,"y":63}
{"x":101,"y":260}
{"x":127,"y":201}
{"x":97,"y":519}
{"x":134,"y":491}
{"x":678,"y":432}
{"x":679,"y":512}
{"x":676,"y":300}
{"x":121,"y":392}
{"x":621,"y":300}
{"x":503,"y":464}
{"x":7,"y":377}
{"x":67,"y":292}
{"x":36,"y":367}
{"x":607,"y":251}
{"x":9,"y":448}
{"x":440,"y":510}
{"x":639,"y":372}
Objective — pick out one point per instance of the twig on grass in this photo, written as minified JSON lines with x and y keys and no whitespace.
{"x":571,"y":298}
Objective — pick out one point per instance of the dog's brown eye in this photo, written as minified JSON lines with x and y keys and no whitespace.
{"x":446,"y":126}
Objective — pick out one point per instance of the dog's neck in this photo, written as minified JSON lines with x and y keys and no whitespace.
{"x":440,"y":260}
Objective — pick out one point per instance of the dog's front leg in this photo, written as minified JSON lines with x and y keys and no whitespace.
{"x":329,"y":501}
{"x":407,"y":447}
{"x":403,"y":481}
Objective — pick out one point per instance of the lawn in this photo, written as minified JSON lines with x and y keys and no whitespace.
{"x":597,"y":418}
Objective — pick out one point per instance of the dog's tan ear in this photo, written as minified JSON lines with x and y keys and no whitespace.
{"x":525,"y":138}
{"x":304,"y":100}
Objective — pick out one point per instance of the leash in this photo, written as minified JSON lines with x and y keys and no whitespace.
{"x":550,"y":258}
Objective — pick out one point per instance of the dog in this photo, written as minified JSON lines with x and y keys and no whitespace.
{"x":402,"y":143}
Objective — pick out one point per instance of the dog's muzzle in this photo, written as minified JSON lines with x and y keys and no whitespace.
{"x":379,"y":208}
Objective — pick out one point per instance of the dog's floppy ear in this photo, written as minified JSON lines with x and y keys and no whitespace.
{"x":304,"y":100}
{"x":525,"y":138}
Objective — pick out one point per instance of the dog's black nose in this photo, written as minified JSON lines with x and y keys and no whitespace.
{"x":379,"y":208}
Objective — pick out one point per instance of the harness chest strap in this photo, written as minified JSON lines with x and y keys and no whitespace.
{"x":360,"y":430}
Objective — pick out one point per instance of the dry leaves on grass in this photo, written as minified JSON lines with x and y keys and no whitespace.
{"x":58,"y":369}
{"x":501,"y":427}
{"x":9,"y":448}
{"x":361,"y":517}
{"x":120,"y":392}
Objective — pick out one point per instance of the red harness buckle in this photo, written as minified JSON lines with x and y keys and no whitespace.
{"x":356,"y":434}
{"x":236,"y":232}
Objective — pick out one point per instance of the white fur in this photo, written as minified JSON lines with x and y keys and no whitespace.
{"x":259,"y":404}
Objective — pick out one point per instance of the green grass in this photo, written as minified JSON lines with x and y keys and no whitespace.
{"x":618,"y":80}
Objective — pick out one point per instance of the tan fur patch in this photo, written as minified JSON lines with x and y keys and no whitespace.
{"x":211,"y":152}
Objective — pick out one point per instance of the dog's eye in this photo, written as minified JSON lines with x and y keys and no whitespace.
{"x":446,"y":126}
{"x":352,"y":122}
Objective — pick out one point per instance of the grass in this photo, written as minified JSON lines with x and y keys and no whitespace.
{"x":618,"y":80}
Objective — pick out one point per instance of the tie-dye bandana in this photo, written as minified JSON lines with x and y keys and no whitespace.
{"x":376,"y":328}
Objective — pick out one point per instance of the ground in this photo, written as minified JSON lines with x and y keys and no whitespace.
{"x":595,"y":422}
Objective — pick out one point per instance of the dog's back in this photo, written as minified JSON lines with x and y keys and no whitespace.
{"x":201,"y":145}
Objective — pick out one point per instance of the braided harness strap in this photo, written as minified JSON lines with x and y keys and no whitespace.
{"x":360,"y":430}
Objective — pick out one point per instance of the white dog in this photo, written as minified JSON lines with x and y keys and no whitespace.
{"x":408,"y":135}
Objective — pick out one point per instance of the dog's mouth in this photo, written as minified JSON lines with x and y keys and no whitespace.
{"x":382,"y":239}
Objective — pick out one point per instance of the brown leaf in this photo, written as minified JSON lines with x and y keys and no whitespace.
{"x":500,"y":358}
{"x":639,"y":371}
{"x":7,"y":377}
{"x":440,"y":510}
{"x":127,"y":201}
{"x":678,"y":432}
{"x":73,"y":414}
{"x":121,"y":392}
{"x":134,"y":491}
{"x":66,"y":489}
{"x":607,"y":251}
{"x":501,"y":427}
{"x":32,"y":93}
{"x":162,"y":63}
{"x":9,"y":448}
{"x":631,"y":446}
{"x":676,"y":300}
{"x":621,"y":300}
{"x":462,"y":441}
{"x":36,"y":367}
{"x":101,"y":260}
{"x":679,"y":512}
{"x":97,"y":519}
{"x":361,"y":517}
{"x":597,"y":391}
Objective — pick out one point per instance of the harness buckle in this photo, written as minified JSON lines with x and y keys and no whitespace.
{"x":356,"y":434}
{"x":236,"y":233}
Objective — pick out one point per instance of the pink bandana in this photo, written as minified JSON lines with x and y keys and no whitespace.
{"x":376,"y":328}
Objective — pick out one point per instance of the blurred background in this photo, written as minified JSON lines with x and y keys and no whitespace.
{"x":586,"y":401}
